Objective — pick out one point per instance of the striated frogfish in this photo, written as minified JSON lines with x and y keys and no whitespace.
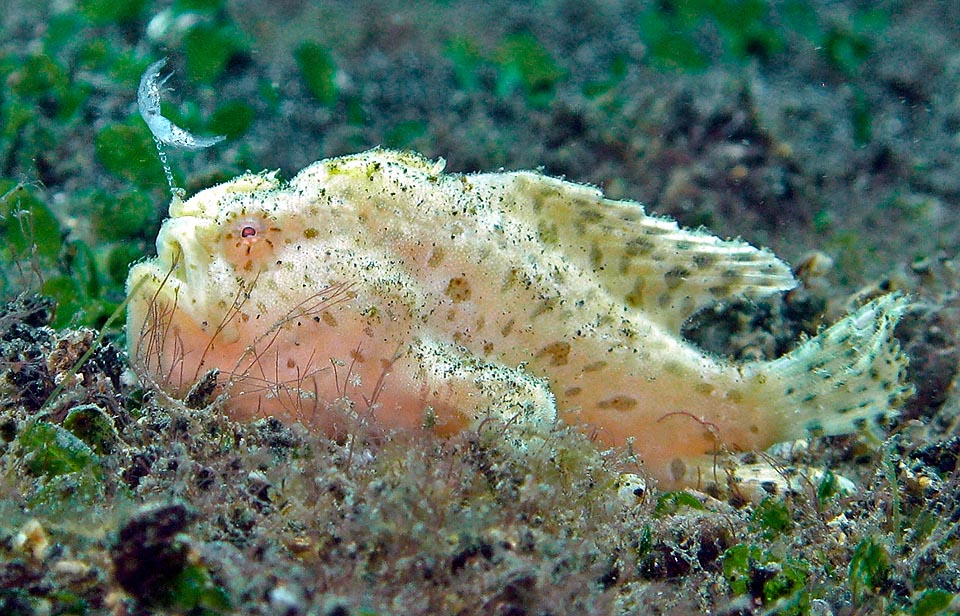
{"x":377,"y":286}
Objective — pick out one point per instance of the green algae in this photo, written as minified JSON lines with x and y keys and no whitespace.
{"x":49,"y":450}
{"x":232,"y":118}
{"x":318,"y":71}
{"x":92,"y":425}
{"x":126,"y":150}
{"x":776,"y":582}
{"x":771,"y":518}
{"x":27,"y":225}
{"x":869,"y":569}
{"x":209,"y":47}
{"x":525,"y":63}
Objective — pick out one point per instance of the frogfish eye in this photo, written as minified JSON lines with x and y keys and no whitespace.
{"x":248,"y":230}
{"x":249,"y":240}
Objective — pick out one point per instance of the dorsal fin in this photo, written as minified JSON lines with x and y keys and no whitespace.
{"x":648,"y":262}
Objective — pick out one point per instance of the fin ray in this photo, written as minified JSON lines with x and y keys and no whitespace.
{"x":849,"y":374}
{"x":652,"y":264}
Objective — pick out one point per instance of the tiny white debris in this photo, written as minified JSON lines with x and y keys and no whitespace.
{"x":285,"y":600}
{"x":32,"y":539}
{"x":169,"y":27}
{"x":165,"y":131}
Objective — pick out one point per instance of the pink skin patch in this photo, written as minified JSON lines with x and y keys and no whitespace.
{"x":318,"y":365}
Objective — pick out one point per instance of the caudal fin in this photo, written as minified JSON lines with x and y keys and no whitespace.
{"x":848,"y":376}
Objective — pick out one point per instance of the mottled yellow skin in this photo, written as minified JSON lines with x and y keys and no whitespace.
{"x":375,"y":284}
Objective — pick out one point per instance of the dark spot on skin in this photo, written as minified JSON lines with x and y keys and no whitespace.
{"x":634,"y":298}
{"x":672,"y":367}
{"x":537,"y":204}
{"x":510,"y":280}
{"x":570,"y":392}
{"x":735,"y":395}
{"x":675,"y":277}
{"x":678,"y":469}
{"x":588,"y":215}
{"x":548,"y":233}
{"x":639,"y":246}
{"x":543,"y":307}
{"x":618,"y":403}
{"x":596,"y":256}
{"x":703,"y":261}
{"x":328,"y":319}
{"x":557,"y":352}
{"x":436,"y":257}
{"x":458,"y":289}
{"x":595,"y":366}
{"x":507,"y":328}
{"x":703,"y":388}
{"x":310,"y":233}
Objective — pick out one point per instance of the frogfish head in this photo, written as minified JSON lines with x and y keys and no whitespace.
{"x":218,"y":293}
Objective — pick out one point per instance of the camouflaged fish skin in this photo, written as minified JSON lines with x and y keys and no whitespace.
{"x":378,"y":285}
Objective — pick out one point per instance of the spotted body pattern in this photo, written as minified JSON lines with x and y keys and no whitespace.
{"x":378,"y":284}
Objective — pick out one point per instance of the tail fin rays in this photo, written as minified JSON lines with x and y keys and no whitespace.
{"x":848,"y":375}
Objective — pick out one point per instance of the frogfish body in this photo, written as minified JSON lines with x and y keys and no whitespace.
{"x":378,"y":284}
